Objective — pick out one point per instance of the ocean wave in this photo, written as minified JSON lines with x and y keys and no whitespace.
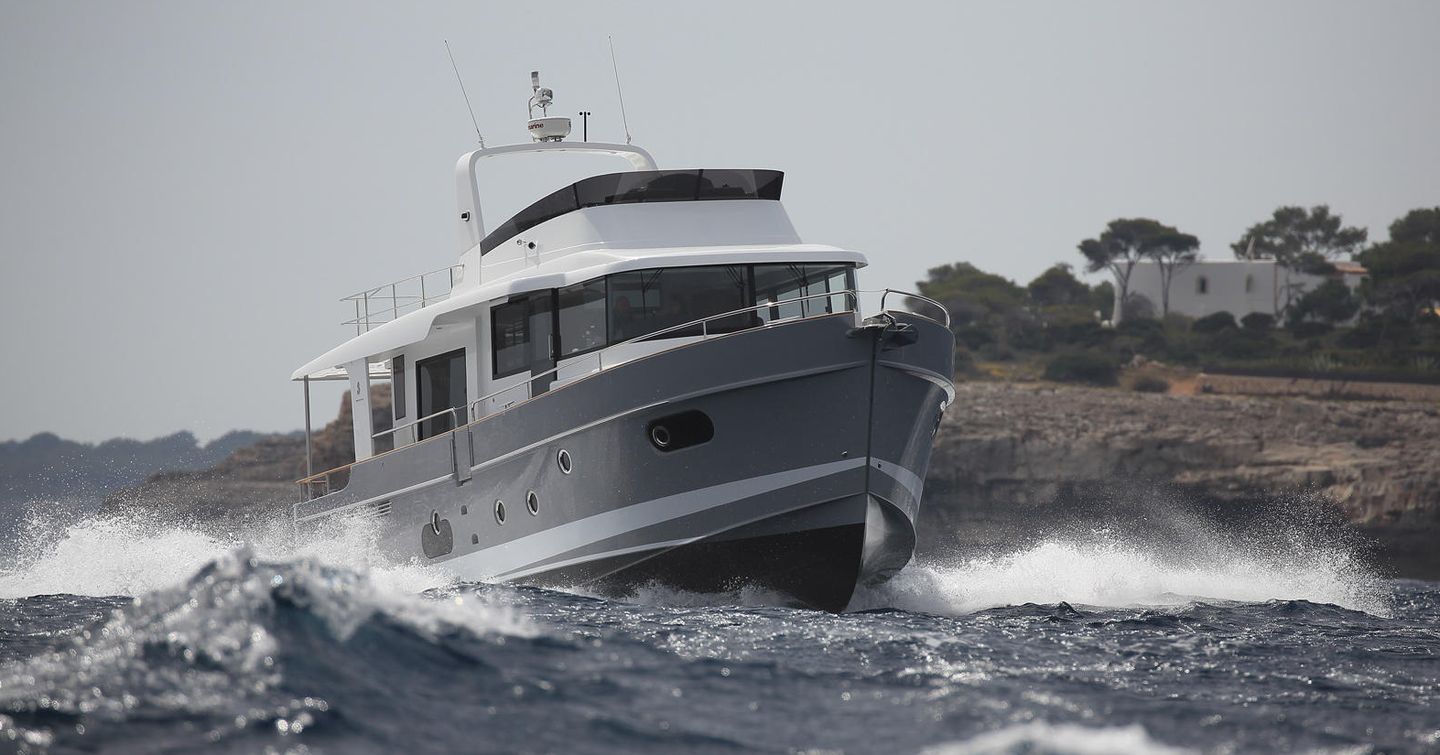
{"x":223,"y":651}
{"x":1107,"y":569}
{"x":1039,"y":738}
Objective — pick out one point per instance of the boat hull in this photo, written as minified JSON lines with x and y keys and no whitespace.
{"x":796,"y":463}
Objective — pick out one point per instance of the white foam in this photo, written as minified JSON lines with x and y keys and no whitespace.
{"x":1060,"y":739}
{"x":126,"y":555}
{"x":1105,"y":570}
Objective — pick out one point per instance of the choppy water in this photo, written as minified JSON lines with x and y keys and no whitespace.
{"x":1089,"y":644}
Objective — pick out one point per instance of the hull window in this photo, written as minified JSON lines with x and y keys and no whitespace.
{"x":440,"y":385}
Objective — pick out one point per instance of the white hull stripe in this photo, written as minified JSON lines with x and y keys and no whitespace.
{"x":907,"y":479}
{"x":501,"y":560}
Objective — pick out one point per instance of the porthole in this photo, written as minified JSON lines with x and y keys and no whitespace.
{"x":434,"y":522}
{"x":464,"y":510}
{"x":532,"y":503}
{"x":474,"y":539}
{"x":563,"y":459}
{"x":660,"y":436}
{"x":499,"y":511}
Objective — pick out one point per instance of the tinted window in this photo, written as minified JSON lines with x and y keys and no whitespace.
{"x":397,"y":386}
{"x":781,"y":283}
{"x":582,"y":317}
{"x":510,"y":338}
{"x":640,"y":186}
{"x":440,"y":385}
{"x":645,"y":301}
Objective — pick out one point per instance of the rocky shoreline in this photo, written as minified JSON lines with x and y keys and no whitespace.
{"x":1010,"y":455}
{"x":1018,"y":461}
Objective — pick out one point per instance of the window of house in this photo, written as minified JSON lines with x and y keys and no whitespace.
{"x":1202,"y":285}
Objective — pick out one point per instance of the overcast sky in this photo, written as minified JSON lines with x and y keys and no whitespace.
{"x":188,"y":188}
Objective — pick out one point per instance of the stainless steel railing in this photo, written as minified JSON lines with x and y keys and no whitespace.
{"x":936,"y":311}
{"x":379,"y":305}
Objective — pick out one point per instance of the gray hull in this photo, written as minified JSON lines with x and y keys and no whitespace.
{"x":796,"y":459}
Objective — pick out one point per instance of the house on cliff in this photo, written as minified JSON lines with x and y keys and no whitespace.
{"x":1239,"y":286}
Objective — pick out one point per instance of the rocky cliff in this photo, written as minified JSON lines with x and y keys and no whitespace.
{"x":254,"y":482}
{"x":1011,"y":458}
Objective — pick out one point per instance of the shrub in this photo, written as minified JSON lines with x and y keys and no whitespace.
{"x":1151,"y":384}
{"x":1214,"y":323}
{"x":1258,"y":321}
{"x":1306,"y":329}
{"x":1083,"y":367}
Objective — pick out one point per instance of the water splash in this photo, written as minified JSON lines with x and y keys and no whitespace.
{"x":1059,"y":739}
{"x":1105,"y":569}
{"x":131,"y":555}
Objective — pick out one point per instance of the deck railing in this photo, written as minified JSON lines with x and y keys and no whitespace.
{"x":934,"y":310}
{"x":379,"y":305}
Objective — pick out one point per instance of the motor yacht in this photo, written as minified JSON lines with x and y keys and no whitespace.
{"x":645,"y":377}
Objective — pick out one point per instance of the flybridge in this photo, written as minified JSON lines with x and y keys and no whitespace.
{"x":640,"y":186}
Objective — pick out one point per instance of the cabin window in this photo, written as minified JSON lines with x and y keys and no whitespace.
{"x":397,"y":386}
{"x":780,"y":283}
{"x":440,"y":385}
{"x":1249,"y":283}
{"x":510,"y":337}
{"x":582,"y":317}
{"x":645,"y":301}
{"x":1202,"y":285}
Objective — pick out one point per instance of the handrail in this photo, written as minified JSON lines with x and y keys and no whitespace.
{"x":412,"y":423}
{"x":365,"y":318}
{"x":851,"y":294}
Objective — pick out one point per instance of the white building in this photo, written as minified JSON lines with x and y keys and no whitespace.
{"x":1239,"y":287}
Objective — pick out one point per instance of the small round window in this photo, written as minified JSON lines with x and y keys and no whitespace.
{"x":532,"y":503}
{"x":499,"y":511}
{"x":563,"y":459}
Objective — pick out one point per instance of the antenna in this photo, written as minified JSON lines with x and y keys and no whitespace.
{"x":618,"y":93}
{"x":464,"y":94}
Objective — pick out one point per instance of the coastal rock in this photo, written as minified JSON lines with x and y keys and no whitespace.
{"x":1054,"y":451}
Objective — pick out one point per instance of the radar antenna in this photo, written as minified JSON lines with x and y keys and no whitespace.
{"x":545,"y":128}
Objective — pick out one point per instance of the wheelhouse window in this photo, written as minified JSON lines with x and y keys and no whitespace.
{"x":645,"y":301}
{"x":782,"y":283}
{"x":440,"y":385}
{"x":582,"y":317}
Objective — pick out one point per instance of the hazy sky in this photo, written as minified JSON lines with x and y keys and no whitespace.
{"x":188,"y":188}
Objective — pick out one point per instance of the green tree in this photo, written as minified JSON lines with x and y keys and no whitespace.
{"x":1405,"y":271}
{"x":1301,"y":239}
{"x":1331,"y":302}
{"x":1124,"y":242}
{"x":1172,"y":252}
{"x":1058,"y":286}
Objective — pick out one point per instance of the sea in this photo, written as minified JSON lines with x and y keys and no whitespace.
{"x":121,"y":635}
